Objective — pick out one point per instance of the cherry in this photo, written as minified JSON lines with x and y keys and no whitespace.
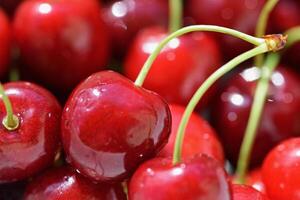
{"x":63,"y":41}
{"x":110,"y":126}
{"x":33,"y":145}
{"x":237,"y":14}
{"x":65,"y":184}
{"x":281,"y":170}
{"x":280,"y":119}
{"x":198,"y":178}
{"x":200,"y":137}
{"x":125,"y":18}
{"x":187,"y":61}
{"x":244,"y":192}
{"x":254,"y":179}
{"x":5,"y":44}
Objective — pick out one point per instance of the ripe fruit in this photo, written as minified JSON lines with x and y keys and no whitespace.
{"x":5,"y":44}
{"x":33,"y":145}
{"x":110,"y":126}
{"x":254,"y":179}
{"x":244,"y":192}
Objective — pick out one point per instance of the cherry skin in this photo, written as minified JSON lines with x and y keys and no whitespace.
{"x":187,"y":61}
{"x":34,"y":144}
{"x":280,"y":118}
{"x":244,"y":192}
{"x":110,"y":126}
{"x":254,"y":179}
{"x":281,"y":170}
{"x":125,"y":18}
{"x":237,"y":14}
{"x":63,"y":41}
{"x":65,"y":184}
{"x":199,"y":138}
{"x":5,"y":44}
{"x":200,"y":178}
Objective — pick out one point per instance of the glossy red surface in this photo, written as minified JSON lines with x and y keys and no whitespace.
{"x":61,"y":42}
{"x":199,"y":137}
{"x":280,"y":118}
{"x":244,"y":192}
{"x":65,"y":184}
{"x":5,"y":44}
{"x":254,"y":179}
{"x":179,"y":69}
{"x":110,"y":126}
{"x":237,"y":14}
{"x":32,"y":146}
{"x":125,"y":18}
{"x":201,"y":178}
{"x":281,"y":171}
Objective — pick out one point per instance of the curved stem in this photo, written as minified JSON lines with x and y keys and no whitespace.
{"x":262,"y":48}
{"x":293,"y":36}
{"x":175,"y":18}
{"x":210,"y":28}
{"x":257,"y":107}
{"x":10,"y":121}
{"x":262,"y":26}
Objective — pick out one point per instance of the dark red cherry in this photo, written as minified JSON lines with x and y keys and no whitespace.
{"x":110,"y":126}
{"x":281,"y":171}
{"x":125,"y":18}
{"x":34,"y":144}
{"x":179,"y":69}
{"x":61,"y":42}
{"x":5,"y":43}
{"x":65,"y":184}
{"x":199,"y":137}
{"x":245,"y":192}
{"x":280,"y":118}
{"x":237,"y":14}
{"x":200,"y":178}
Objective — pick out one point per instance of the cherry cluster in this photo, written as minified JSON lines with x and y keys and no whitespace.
{"x":72,"y":128}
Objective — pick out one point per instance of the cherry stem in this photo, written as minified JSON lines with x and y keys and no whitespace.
{"x":260,"y":96}
{"x":175,"y":18}
{"x":10,"y":121}
{"x":209,"y":28}
{"x":262,"y":48}
{"x":262,"y":26}
{"x":294,"y":36}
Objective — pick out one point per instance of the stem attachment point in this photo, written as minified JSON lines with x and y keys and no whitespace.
{"x":275,"y":42}
{"x":11,"y":124}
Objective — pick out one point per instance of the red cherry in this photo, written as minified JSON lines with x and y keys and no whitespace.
{"x":199,"y":137}
{"x":199,"y":178}
{"x":244,"y":192}
{"x":32,"y":147}
{"x":180,"y":68}
{"x":5,"y":44}
{"x":65,"y":184}
{"x":254,"y":179}
{"x":280,"y":118}
{"x":237,"y":14}
{"x":61,"y":42}
{"x":110,"y":126}
{"x":281,"y":171}
{"x":125,"y":18}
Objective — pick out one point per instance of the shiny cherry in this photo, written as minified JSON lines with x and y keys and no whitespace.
{"x":200,"y":178}
{"x":5,"y":44}
{"x":237,"y":14}
{"x":34,"y":144}
{"x":125,"y":18}
{"x":110,"y":126}
{"x":179,"y":69}
{"x":281,"y":171}
{"x":199,"y":137}
{"x":280,"y":118}
{"x":65,"y":184}
{"x":245,"y":192}
{"x":61,"y":42}
{"x":254,"y":179}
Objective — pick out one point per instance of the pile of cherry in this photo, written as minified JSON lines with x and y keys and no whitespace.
{"x":97,"y":135}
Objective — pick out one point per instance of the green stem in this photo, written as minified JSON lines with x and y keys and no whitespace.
{"x":262,"y":26}
{"x":257,"y":107}
{"x":293,"y":36}
{"x":262,"y":48}
{"x":210,"y":28}
{"x":175,"y":18}
{"x":10,"y":121}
